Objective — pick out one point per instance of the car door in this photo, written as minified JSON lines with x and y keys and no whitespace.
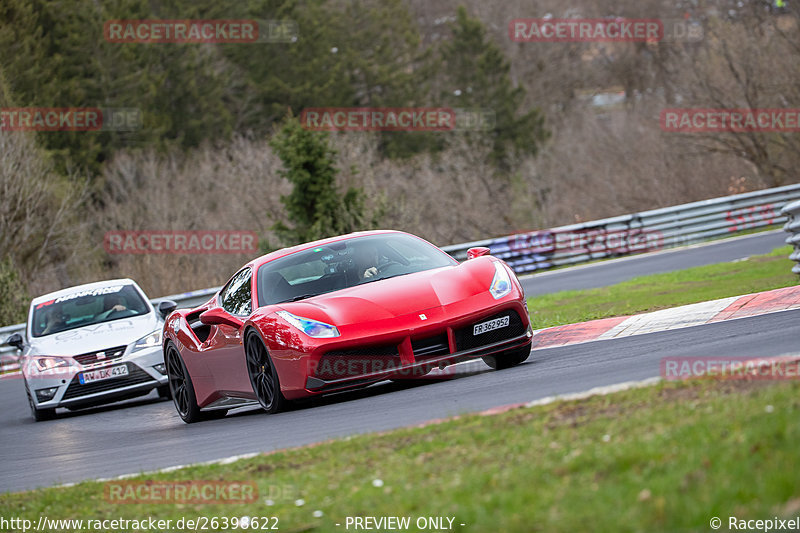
{"x":225,"y":357}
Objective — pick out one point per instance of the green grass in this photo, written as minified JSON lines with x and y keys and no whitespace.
{"x":662,"y":458}
{"x":659,"y":291}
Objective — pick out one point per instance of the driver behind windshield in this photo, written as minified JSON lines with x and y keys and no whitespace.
{"x":112,"y":303}
{"x":366,"y":260}
{"x":54,"y":322}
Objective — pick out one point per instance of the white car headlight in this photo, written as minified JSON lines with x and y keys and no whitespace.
{"x":48,"y":364}
{"x":151,"y":340}
{"x":312,"y":328}
{"x":501,"y":283}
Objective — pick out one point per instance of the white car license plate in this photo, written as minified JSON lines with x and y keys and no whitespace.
{"x":103,"y":373}
{"x":490,"y":325}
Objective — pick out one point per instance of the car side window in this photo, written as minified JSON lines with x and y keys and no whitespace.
{"x":236,"y":298}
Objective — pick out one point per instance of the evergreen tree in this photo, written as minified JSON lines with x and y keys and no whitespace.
{"x":363,"y":53}
{"x":58,"y":57}
{"x":477,"y":76}
{"x":315,"y":207}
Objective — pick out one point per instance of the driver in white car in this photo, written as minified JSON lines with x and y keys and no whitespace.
{"x":112,"y":303}
{"x":54,"y":322}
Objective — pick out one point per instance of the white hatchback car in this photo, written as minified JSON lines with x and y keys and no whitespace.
{"x":92,"y":344}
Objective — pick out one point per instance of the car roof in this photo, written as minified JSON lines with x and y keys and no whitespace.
{"x":85,"y":286}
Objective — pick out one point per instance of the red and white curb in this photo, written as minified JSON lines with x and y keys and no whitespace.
{"x":759,"y":303}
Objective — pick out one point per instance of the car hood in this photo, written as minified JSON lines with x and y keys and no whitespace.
{"x":400,"y":296}
{"x":96,"y":336}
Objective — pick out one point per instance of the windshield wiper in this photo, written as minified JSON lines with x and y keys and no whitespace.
{"x":301,"y":297}
{"x":371,"y":280}
{"x":393,"y":276}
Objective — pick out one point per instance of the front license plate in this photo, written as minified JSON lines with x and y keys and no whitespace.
{"x":103,"y":373}
{"x":490,"y":325}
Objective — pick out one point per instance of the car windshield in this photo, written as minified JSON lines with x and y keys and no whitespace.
{"x":344,"y":264}
{"x":86,"y":307}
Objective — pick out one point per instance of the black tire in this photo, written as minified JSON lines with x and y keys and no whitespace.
{"x":164,"y":392}
{"x":263,"y":376}
{"x":508,"y":359}
{"x":39,"y":415}
{"x":181,"y":387}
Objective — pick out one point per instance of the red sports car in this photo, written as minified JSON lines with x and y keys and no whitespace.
{"x":340,"y":313}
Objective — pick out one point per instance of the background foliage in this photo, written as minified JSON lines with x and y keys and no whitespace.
{"x":216,"y":151}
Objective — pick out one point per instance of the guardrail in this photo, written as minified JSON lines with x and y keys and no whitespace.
{"x":792,"y":226}
{"x":638,"y":232}
{"x":578,"y":243}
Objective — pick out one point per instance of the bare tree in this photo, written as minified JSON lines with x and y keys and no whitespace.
{"x":749,"y":62}
{"x":39,"y":227}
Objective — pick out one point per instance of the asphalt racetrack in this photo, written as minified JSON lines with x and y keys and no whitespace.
{"x":147,"y":434}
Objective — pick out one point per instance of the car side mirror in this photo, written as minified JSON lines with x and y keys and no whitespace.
{"x":165,"y":307}
{"x":15,"y":340}
{"x":478,"y":251}
{"x":217,"y":316}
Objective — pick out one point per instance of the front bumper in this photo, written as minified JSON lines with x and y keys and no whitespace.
{"x":318,"y":385}
{"x":409,"y":353}
{"x":141,"y":378}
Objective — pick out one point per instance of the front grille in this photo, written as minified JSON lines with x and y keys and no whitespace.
{"x":465,"y":340}
{"x":100,"y":355}
{"x":340,"y":364}
{"x":136,"y":376}
{"x":431,"y":346}
{"x":377,"y":351}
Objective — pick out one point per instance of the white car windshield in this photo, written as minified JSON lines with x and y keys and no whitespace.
{"x":83,"y":308}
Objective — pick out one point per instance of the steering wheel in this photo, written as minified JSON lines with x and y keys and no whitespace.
{"x":117,"y":313}
{"x":384,"y":266}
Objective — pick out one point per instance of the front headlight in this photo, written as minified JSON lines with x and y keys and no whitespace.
{"x":312,"y":328}
{"x":501,"y":283}
{"x":48,"y":364}
{"x":151,"y":340}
